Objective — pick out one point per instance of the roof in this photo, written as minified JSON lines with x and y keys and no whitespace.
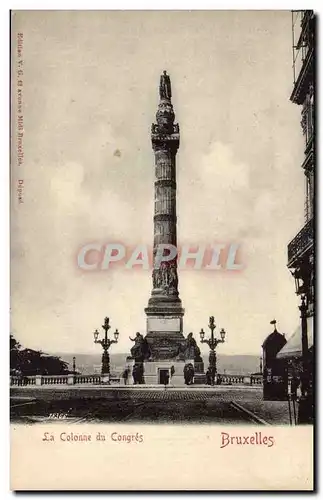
{"x":293,"y":347}
{"x":274,"y":336}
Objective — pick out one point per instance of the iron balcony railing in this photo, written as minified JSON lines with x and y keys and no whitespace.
{"x":301,"y":243}
{"x":303,"y":52}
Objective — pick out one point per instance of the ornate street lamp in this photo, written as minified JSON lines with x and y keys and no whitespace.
{"x":298,"y":275}
{"x":306,"y":400}
{"x":212,"y":342}
{"x":105,"y":343}
{"x":74,"y":369}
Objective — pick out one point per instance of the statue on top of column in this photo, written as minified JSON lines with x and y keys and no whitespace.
{"x":165,"y":90}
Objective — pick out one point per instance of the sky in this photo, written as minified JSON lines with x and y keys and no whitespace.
{"x":90,"y":94}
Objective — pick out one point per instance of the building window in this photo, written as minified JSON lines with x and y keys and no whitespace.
{"x":308,"y":118}
{"x":309,"y":196}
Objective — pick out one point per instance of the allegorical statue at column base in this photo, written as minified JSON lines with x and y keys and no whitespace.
{"x":139,"y":353}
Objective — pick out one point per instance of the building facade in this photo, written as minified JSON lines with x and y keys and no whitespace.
{"x":300,"y":251}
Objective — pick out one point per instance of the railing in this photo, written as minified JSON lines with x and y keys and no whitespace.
{"x":70,"y":379}
{"x":239,"y":379}
{"x":256,"y":380}
{"x":230,"y":379}
{"x":18,"y":381}
{"x":303,"y":50}
{"x":54,"y":379}
{"x":88,"y":379}
{"x":301,"y":243}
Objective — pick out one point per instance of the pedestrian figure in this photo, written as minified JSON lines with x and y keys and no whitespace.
{"x":172,"y":372}
{"x":166,"y":378}
{"x":189,"y":374}
{"x":294,"y":386}
{"x":125,"y":376}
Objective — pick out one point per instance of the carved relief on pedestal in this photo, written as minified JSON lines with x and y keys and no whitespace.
{"x":164,"y":348}
{"x":165,"y":278}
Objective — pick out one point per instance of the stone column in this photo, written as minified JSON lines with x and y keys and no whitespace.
{"x":164,"y":311}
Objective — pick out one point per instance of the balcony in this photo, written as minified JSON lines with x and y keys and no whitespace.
{"x":303,"y":30}
{"x":303,"y":74}
{"x":302,"y":242}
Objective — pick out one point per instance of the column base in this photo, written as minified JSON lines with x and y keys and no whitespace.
{"x":165,"y":372}
{"x":164,"y":305}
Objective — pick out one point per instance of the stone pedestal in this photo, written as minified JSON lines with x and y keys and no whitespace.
{"x":153,"y":374}
{"x":154,"y":371}
{"x":164,"y":330}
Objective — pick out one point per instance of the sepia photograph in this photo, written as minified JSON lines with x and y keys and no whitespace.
{"x":162,"y":230}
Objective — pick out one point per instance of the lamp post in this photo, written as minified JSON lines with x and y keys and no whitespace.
{"x":106,"y":343}
{"x":74,"y":369}
{"x":212,"y":342}
{"x":305,"y":401}
{"x":304,"y":276}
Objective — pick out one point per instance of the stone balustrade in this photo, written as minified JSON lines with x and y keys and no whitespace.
{"x":96,"y":379}
{"x":232,"y":379}
{"x":41,"y":380}
{"x":256,"y":379}
{"x":87,"y":379}
{"x":28,"y":380}
{"x":53,"y":379}
{"x":225,"y":379}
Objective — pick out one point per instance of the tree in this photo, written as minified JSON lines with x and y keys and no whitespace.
{"x":14,"y":344}
{"x":31,"y":362}
{"x":14,"y":354}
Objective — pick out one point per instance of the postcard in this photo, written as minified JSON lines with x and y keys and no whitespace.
{"x":162,"y":250}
